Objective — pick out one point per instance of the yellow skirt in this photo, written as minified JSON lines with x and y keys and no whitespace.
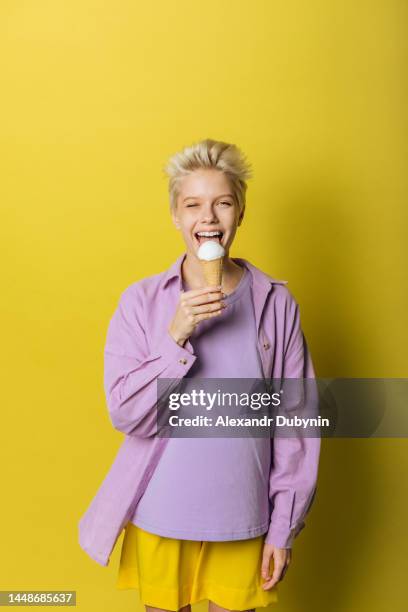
{"x":171,"y":573}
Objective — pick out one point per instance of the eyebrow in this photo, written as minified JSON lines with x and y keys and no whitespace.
{"x":224,"y":195}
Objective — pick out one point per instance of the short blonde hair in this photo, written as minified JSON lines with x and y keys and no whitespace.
{"x":209,"y":154}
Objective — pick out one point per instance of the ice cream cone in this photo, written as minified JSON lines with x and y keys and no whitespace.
{"x":211,"y":255}
{"x":212,"y":271}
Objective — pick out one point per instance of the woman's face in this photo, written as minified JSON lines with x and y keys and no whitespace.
{"x":206,"y":203}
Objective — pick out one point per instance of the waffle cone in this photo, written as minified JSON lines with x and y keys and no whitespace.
{"x":212,"y":271}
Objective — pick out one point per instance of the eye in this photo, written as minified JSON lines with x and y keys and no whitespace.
{"x":227,"y":203}
{"x":188,"y":205}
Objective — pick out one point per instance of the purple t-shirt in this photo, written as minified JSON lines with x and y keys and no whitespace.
{"x":229,"y":477}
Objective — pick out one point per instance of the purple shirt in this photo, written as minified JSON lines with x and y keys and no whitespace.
{"x":139,"y":350}
{"x":228,"y":476}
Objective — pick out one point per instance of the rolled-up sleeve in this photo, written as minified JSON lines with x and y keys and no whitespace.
{"x":131,"y":368}
{"x":295,"y":459}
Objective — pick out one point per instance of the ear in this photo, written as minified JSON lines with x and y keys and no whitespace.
{"x":241,"y":216}
{"x":175,"y":219}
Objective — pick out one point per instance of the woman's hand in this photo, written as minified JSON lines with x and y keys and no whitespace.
{"x":281,"y":560}
{"x":193,"y":307}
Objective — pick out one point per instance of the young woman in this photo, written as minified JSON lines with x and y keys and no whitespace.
{"x":213,"y":518}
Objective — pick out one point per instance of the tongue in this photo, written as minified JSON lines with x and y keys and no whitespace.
{"x":202,"y":239}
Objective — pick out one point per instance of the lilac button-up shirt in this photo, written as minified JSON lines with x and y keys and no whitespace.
{"x":138,"y":350}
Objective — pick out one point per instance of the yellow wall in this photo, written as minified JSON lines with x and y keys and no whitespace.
{"x":95,"y":97}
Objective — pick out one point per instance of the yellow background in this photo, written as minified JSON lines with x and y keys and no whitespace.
{"x":95,"y":97}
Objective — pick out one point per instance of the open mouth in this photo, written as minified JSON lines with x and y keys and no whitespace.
{"x":202,"y":237}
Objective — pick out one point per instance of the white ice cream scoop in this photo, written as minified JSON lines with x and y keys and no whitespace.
{"x":210,"y":249}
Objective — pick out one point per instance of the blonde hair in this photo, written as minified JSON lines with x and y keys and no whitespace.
{"x":209,"y":154}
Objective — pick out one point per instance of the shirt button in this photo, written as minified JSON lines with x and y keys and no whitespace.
{"x":266,"y":345}
{"x":183,"y":360}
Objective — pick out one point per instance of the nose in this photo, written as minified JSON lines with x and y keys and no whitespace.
{"x":209,"y":215}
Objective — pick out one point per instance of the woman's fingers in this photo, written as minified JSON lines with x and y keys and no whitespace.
{"x":202,"y":303}
{"x":276,"y":576}
{"x":280,"y":565}
{"x":211,"y":307}
{"x":194,"y":306}
{"x":197,"y":297}
{"x":266,"y":559}
{"x":207,"y":315}
{"x":194,"y":314}
{"x":204,"y":289}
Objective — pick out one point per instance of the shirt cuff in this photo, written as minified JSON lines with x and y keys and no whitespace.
{"x":171,"y":351}
{"x":282,"y":538}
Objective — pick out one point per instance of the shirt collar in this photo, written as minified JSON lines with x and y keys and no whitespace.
{"x":258,"y":277}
